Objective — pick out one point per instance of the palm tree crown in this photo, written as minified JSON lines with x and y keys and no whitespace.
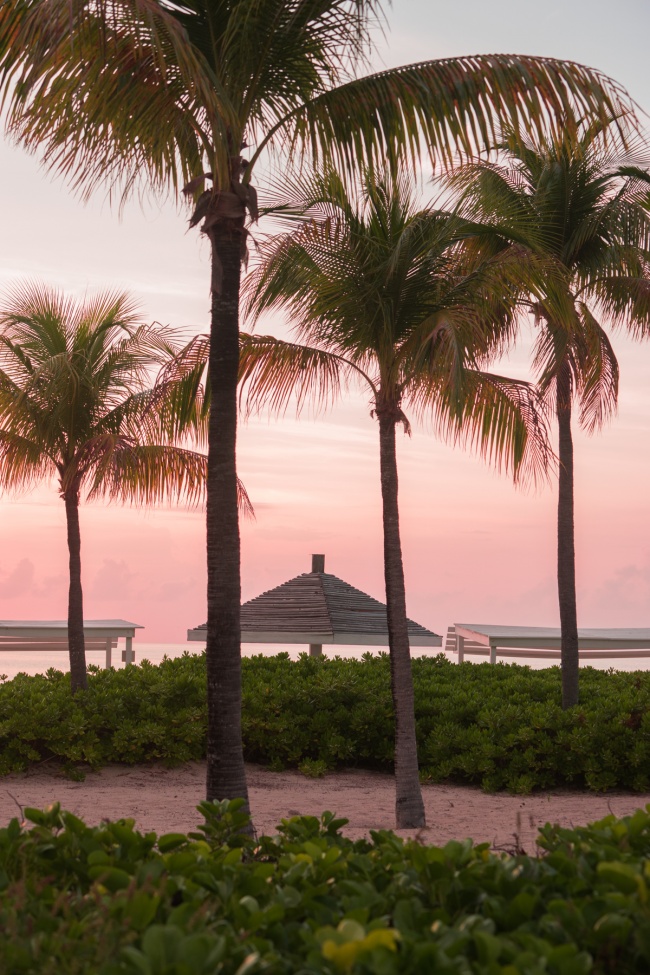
{"x":160,"y":89}
{"x":76,"y":403}
{"x":76,"y":399}
{"x":381,"y":288}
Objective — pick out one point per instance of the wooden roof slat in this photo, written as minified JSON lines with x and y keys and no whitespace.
{"x":318,"y":606}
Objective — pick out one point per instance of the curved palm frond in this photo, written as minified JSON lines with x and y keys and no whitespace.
{"x":450,"y":107}
{"x":624,"y":301}
{"x":146,"y":474}
{"x":124,"y":470}
{"x":598,"y":374}
{"x":77,"y":76}
{"x":23,"y":462}
{"x":503,"y":420}
{"x":274,"y":374}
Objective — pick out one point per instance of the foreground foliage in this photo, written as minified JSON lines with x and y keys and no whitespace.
{"x":112,"y":901}
{"x":495,"y":726}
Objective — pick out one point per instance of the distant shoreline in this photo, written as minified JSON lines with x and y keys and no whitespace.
{"x":13,"y":663}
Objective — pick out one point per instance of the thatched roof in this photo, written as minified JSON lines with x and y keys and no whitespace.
{"x":319,"y":608}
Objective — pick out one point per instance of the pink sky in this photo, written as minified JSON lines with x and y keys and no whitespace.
{"x":475,"y":548}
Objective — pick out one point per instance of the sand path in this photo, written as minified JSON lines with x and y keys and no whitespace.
{"x":165,"y":799}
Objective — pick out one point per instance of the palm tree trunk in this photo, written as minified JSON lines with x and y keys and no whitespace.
{"x":566,"y":559}
{"x":409,"y":807}
{"x":226,"y":775}
{"x":76,"y":640}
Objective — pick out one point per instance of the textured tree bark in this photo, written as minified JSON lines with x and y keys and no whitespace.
{"x":76,"y":640}
{"x":566,"y":560}
{"x":226,"y":775}
{"x":409,"y":807}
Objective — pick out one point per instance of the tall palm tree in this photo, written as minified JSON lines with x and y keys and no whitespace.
{"x":568,"y":199}
{"x":75,"y":404}
{"x":379,"y":290}
{"x":171,"y":92}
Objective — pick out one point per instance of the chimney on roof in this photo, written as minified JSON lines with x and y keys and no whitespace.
{"x":318,"y":563}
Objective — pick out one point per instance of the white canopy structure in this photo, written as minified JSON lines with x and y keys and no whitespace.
{"x":52,"y":635}
{"x":487,"y":640}
{"x":318,"y":608}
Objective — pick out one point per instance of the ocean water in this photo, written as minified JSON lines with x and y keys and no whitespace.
{"x":34,"y":662}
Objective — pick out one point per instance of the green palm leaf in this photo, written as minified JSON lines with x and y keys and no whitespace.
{"x":274,"y":374}
{"x":503,"y":420}
{"x":89,"y":83}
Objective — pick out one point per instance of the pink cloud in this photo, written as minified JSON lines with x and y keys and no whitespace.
{"x":17,"y":582}
{"x":113,"y":580}
{"x":21,"y":585}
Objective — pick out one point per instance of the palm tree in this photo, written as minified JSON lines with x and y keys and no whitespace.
{"x":379,"y":290}
{"x":75,"y":403}
{"x":568,"y":200}
{"x":170,"y":92}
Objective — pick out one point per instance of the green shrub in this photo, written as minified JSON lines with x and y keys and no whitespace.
{"x":500,"y":726}
{"x":138,"y":714}
{"x":107,"y":900}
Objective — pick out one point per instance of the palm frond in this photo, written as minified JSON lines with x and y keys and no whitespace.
{"x":598,"y":375}
{"x":124,"y":470}
{"x":624,"y":301}
{"x":447,"y":108}
{"x":274,"y":374}
{"x":147,"y":474}
{"x":503,"y":420}
{"x":75,"y":77}
{"x":23,"y":462}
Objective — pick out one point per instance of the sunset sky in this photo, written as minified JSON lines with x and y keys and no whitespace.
{"x":475,"y":549}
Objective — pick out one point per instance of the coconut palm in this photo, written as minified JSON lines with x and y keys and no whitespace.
{"x":569,"y":200}
{"x":378,"y":290}
{"x":169,"y":94}
{"x":75,"y":404}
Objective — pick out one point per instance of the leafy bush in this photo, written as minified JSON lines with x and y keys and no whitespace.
{"x":496,"y":726}
{"x":78,"y":900}
{"x":137,"y":714}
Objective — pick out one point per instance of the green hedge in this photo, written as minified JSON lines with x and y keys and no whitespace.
{"x":496,"y":726}
{"x":108,"y":900}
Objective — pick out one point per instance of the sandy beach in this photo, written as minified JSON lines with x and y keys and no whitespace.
{"x":164,"y":800}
